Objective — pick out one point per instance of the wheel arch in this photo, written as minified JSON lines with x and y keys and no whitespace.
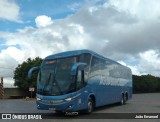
{"x":92,"y":96}
{"x":126,"y":95}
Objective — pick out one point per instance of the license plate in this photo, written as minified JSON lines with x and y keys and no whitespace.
{"x":52,"y":109}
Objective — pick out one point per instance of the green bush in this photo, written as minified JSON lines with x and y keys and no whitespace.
{"x":146,"y":84}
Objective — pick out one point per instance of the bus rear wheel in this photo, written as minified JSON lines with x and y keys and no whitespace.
{"x":123,"y":100}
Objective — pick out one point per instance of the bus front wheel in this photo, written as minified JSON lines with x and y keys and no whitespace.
{"x":90,"y":105}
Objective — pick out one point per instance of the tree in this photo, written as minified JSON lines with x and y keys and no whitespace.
{"x":146,"y":84}
{"x":21,"y":74}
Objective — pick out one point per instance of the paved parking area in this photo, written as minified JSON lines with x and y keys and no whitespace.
{"x":140,"y":103}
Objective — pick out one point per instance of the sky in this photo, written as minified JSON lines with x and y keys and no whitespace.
{"x":126,"y":31}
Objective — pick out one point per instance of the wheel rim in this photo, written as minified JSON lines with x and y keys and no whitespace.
{"x":122,"y":100}
{"x":90,"y":106}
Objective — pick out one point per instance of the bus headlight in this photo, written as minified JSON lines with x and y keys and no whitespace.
{"x":70,"y":98}
{"x":38,"y":99}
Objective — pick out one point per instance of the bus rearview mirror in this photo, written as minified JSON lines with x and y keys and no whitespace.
{"x":32,"y":70}
{"x":79,"y":66}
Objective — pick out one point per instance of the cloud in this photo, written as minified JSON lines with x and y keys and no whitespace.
{"x":9,"y":59}
{"x":75,"y":6}
{"x":119,"y":31}
{"x":9,"y":10}
{"x":139,"y":8}
{"x":134,"y":69}
{"x":125,"y":31}
{"x":150,"y":62}
{"x":43,"y":21}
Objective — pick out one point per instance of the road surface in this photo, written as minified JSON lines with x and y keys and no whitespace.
{"x":140,"y":103}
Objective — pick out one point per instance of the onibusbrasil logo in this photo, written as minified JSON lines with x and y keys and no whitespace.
{"x":21,"y":116}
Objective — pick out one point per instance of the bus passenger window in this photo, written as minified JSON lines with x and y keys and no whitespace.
{"x":85,"y":58}
{"x":79,"y":79}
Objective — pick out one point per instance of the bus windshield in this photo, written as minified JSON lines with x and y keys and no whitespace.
{"x":55,"y":77}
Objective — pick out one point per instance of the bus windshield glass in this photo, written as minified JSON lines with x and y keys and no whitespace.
{"x":55,"y":77}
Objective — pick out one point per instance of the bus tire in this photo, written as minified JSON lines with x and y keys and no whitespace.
{"x":122,"y":102}
{"x":125,"y":98}
{"x":90,"y":105}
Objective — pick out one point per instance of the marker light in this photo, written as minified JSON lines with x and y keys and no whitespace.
{"x":70,"y":98}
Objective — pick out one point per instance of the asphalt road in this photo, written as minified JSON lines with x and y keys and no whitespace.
{"x":140,"y":103}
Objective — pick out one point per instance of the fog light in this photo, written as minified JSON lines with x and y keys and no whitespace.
{"x":70,"y":106}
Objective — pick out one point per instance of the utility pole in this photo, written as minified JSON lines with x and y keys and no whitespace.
{"x":1,"y":88}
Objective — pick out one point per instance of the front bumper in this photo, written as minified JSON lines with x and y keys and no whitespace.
{"x":65,"y":106}
{"x":74,"y":104}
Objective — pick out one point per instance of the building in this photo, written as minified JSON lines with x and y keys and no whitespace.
{"x":1,"y":89}
{"x":12,"y":93}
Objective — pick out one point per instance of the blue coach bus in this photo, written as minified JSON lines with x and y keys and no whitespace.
{"x":81,"y":80}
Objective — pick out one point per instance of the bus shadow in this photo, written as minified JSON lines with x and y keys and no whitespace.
{"x":97,"y":113}
{"x":105,"y":107}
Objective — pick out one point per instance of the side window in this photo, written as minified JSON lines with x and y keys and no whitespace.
{"x":105,"y":68}
{"x":94,"y":62}
{"x":97,"y":62}
{"x":79,"y":79}
{"x":86,"y":59}
{"x":96,"y":67}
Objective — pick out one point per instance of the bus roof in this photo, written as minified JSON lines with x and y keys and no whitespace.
{"x":74,"y":53}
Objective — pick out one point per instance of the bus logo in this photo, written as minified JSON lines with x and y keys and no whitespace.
{"x":6,"y":116}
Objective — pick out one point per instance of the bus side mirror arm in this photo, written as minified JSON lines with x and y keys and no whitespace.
{"x":32,"y":70}
{"x":76,"y":66}
{"x":83,"y":79}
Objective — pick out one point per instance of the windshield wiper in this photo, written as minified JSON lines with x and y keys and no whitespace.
{"x":55,"y":81}
{"x":47,"y":82}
